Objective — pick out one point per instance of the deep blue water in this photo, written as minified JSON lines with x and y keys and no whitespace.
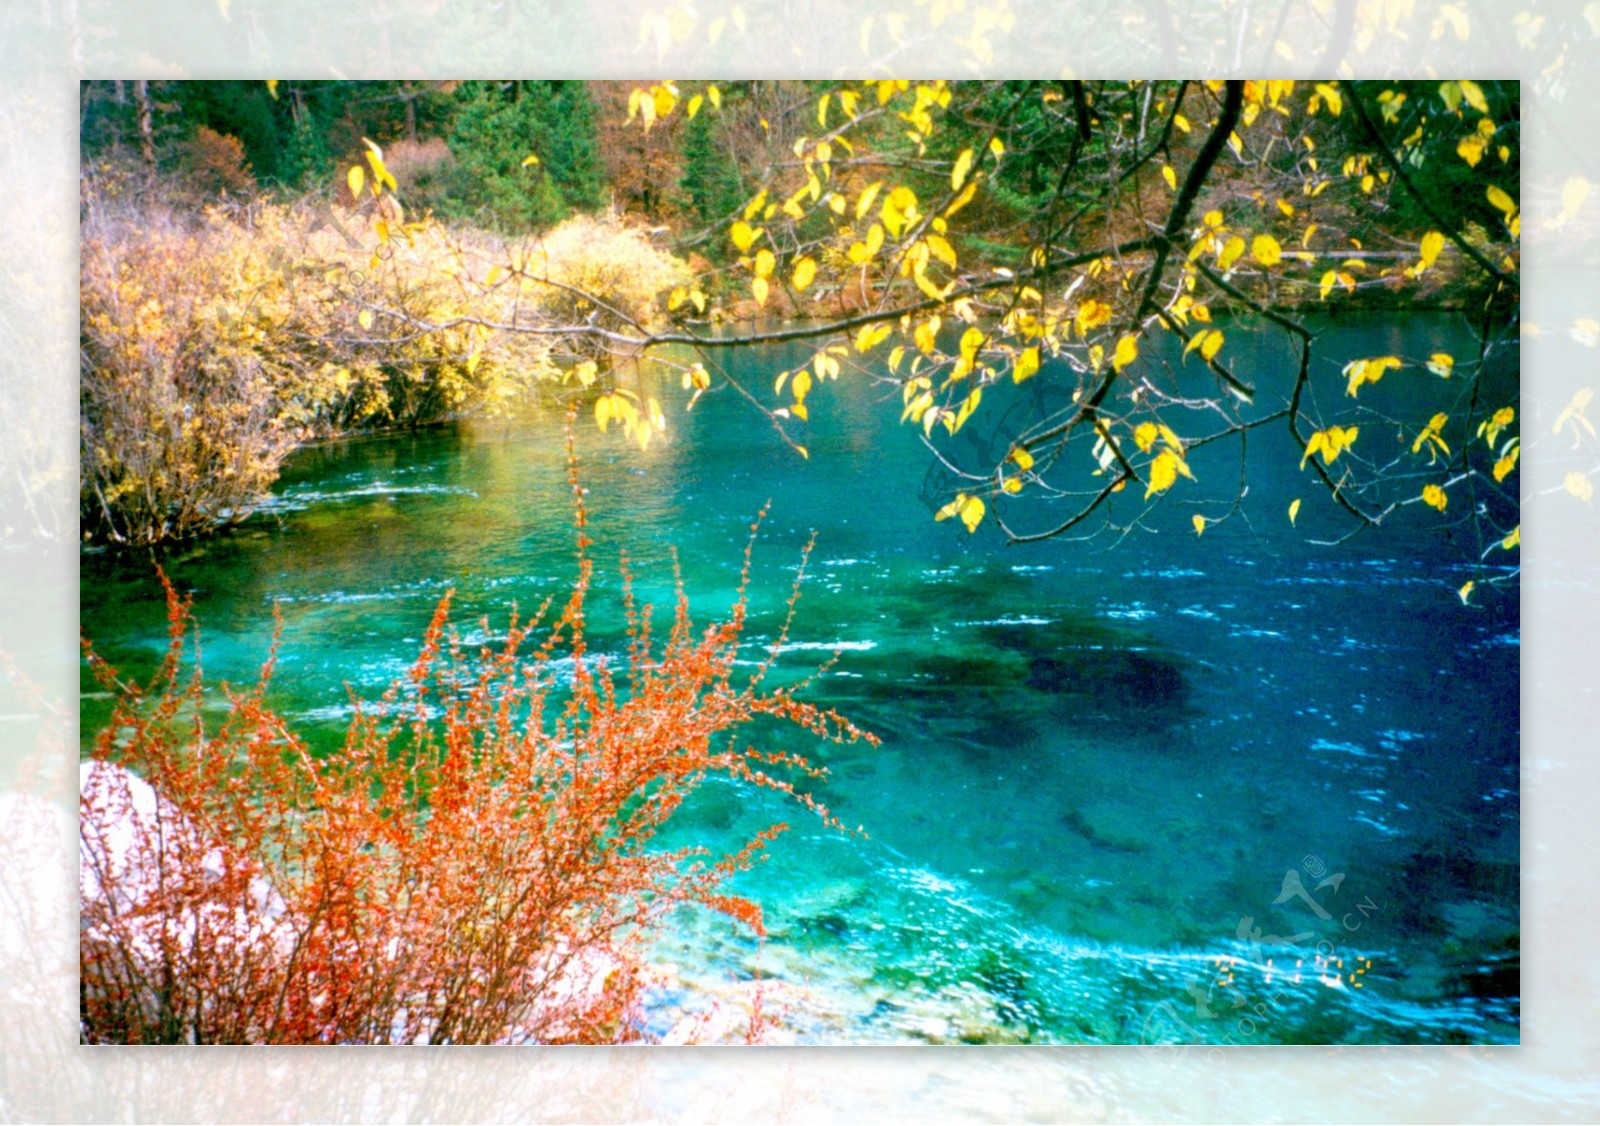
{"x":1104,"y":763}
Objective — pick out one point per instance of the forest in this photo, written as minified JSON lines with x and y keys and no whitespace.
{"x":1070,"y":407}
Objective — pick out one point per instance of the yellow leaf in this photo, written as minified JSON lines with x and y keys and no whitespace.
{"x":529,"y":159}
{"x":1501,"y":201}
{"x":1474,"y":95}
{"x":744,"y":235}
{"x":1023,"y":458}
{"x":1294,"y":509}
{"x":1573,"y":194}
{"x":603,"y":412}
{"x":1362,"y":372}
{"x":804,"y":271}
{"x":971,"y":341}
{"x":1144,"y":436}
{"x":758,"y":287}
{"x":958,"y":174}
{"x":1441,"y":364}
{"x":1026,"y":367}
{"x":1579,"y":485}
{"x":665,"y":99}
{"x":380,"y":172}
{"x":1199,"y":525}
{"x":1169,"y":176}
{"x":997,"y":146}
{"x":899,"y":210}
{"x":925,"y":284}
{"x":356,"y":178}
{"x":1212,"y":346}
{"x":587,"y":371}
{"x":1313,"y":444}
{"x":963,"y":199}
{"x":1012,"y":484}
{"x":1471,"y":148}
{"x":870,"y":336}
{"x":765,"y":263}
{"x":1230,"y":253}
{"x":1163,"y":473}
{"x":365,"y":318}
{"x":1127,"y":351}
{"x":1434,"y":497}
{"x":801,"y":387}
{"x":1466,"y":591}
{"x":1512,"y":540}
{"x":1091,"y":315}
{"x":1267,"y":250}
{"x":1504,"y":467}
{"x":864,"y":203}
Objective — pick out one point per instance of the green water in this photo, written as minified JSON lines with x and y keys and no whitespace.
{"x":1100,"y":761}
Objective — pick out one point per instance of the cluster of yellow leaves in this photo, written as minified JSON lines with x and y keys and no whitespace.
{"x":657,"y":102}
{"x":969,"y":508}
{"x":1330,"y":443}
{"x":1168,"y":463}
{"x":1509,"y":453}
{"x":1432,"y":438}
{"x":1573,"y":415}
{"x":1360,"y":372}
{"x":641,"y":419}
{"x":1207,"y":341}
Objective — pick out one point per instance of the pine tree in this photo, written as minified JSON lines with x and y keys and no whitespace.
{"x":711,"y":187}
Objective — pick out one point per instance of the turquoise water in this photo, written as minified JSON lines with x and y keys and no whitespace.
{"x":1102,"y":762}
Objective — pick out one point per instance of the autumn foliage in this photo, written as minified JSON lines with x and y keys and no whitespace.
{"x":211,"y":346}
{"x":475,"y":864}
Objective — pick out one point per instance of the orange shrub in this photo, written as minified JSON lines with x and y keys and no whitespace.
{"x":473,"y":865}
{"x":215,"y":163}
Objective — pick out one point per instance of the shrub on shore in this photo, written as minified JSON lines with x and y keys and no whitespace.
{"x":211,"y":346}
{"x":475,"y":864}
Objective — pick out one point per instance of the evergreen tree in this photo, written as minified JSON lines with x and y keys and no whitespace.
{"x":498,"y":126}
{"x":711,"y":187}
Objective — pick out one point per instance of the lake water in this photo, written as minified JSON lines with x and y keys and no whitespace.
{"x":1228,"y":788}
